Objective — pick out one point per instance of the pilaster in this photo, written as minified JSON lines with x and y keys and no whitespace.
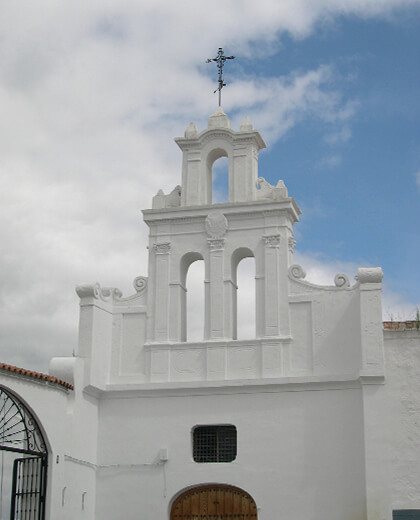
{"x":161,"y":252}
{"x":276,"y":304}
{"x":216,"y":288}
{"x":370,"y":280}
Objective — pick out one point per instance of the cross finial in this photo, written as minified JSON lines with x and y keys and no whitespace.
{"x":220,"y":60}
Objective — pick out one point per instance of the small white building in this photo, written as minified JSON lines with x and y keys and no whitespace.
{"x":315,"y":418}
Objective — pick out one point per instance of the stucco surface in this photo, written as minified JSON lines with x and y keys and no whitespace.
{"x":402,"y":354}
{"x":300,"y":454}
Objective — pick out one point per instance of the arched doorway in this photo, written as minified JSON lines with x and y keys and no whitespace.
{"x":214,"y":502}
{"x":23,"y":461}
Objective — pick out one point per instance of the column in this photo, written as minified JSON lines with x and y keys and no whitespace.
{"x":216,"y":289}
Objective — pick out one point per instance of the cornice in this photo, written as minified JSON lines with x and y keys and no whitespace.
{"x":209,"y":134}
{"x":236,"y":386}
{"x":264,"y":208}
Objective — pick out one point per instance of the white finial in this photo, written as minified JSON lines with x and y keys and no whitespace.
{"x":219,"y":120}
{"x":192,"y":131}
{"x":246,"y":125}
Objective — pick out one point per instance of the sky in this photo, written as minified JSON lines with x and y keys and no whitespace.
{"x":93,"y":93}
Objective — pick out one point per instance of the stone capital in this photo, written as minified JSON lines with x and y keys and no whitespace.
{"x":162,"y":249}
{"x":216,"y":244}
{"x":272,"y":240}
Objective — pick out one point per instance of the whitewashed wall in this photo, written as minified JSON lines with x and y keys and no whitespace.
{"x":402,"y":354}
{"x":68,"y":420}
{"x":300,"y":450}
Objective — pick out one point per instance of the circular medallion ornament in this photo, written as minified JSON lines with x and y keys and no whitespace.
{"x":216,"y":225}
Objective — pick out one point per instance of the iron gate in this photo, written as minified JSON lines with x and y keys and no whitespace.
{"x":28,"y":489}
{"x":21,"y":434}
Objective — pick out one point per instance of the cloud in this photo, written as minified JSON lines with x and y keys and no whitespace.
{"x":340,"y":136}
{"x":321,"y":271}
{"x":331,"y":161}
{"x":275,"y":105}
{"x":396,"y":308}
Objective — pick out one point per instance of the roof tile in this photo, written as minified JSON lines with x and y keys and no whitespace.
{"x":36,"y":375}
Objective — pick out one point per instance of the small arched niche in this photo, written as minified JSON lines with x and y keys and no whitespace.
{"x":243,"y":298}
{"x":218,"y":176}
{"x":192,"y":302}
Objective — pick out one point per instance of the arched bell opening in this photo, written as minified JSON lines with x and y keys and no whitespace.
{"x":24,"y":460}
{"x":218,"y":176}
{"x":192,"y":303}
{"x":220,"y":181}
{"x":244,"y":294}
{"x":213,"y":501}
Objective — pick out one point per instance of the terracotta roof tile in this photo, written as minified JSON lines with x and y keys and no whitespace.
{"x":35,"y":375}
{"x":401,"y":325}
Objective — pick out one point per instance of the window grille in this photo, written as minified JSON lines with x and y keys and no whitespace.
{"x":406,"y":514}
{"x":214,"y":443}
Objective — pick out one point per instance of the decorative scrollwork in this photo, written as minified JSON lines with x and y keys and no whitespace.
{"x":97,"y":292}
{"x":341,"y":280}
{"x":140,"y":284}
{"x":297,"y":271}
{"x":88,"y":290}
{"x":109,"y":293}
{"x":18,"y":428}
{"x":291,"y":243}
{"x":267,"y":191}
{"x":172,"y":200}
{"x":369,"y":275}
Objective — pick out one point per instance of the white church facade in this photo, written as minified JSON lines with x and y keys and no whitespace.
{"x":315,"y":418}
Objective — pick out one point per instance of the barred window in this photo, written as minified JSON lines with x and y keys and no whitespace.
{"x":406,"y":514}
{"x":214,"y":443}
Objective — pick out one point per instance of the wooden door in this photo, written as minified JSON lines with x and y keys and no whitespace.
{"x":214,"y":502}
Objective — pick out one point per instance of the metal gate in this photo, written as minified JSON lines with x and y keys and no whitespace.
{"x":28,"y":489}
{"x":21,"y":435}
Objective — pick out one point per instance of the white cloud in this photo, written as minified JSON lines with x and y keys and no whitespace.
{"x":321,"y":271}
{"x":340,"y":136}
{"x":396,"y":308}
{"x":331,"y":161}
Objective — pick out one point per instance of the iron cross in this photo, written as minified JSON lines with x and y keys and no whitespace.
{"x":220,"y":60}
